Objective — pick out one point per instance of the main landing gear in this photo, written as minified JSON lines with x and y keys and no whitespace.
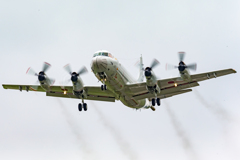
{"x":103,"y":87}
{"x":154,"y":101}
{"x":82,"y":106}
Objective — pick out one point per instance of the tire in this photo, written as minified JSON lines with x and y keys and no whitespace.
{"x":105,"y":87}
{"x":153,"y":102}
{"x":85,"y":106}
{"x":80,"y":107}
{"x":102,"y":87}
{"x":158,"y":102}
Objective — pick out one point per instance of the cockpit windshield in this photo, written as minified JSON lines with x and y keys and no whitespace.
{"x":103,"y":54}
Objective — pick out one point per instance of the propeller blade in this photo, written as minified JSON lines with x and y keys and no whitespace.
{"x":46,"y":66}
{"x":68,"y":68}
{"x":35,"y":87}
{"x":82,"y":70}
{"x":64,"y":83}
{"x":154,"y":63}
{"x":52,"y":81}
{"x":192,"y":66}
{"x":30,"y":71}
{"x":181,"y":56}
{"x":170,"y":66}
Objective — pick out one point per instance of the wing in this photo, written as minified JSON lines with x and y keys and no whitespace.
{"x":23,"y":87}
{"x":197,"y":77}
{"x":173,"y":86}
{"x":93,"y":92}
{"x":166,"y":92}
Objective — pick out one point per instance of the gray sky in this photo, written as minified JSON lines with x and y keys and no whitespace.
{"x":34,"y":126}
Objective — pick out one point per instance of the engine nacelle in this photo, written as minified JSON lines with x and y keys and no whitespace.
{"x":78,"y":86}
{"x":152,"y":85}
{"x":153,"y":89}
{"x":46,"y":82}
{"x":80,"y":94}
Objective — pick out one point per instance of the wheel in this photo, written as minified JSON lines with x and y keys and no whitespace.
{"x":85,"y":106}
{"x":102,"y":87}
{"x":105,"y":87}
{"x":158,"y":102}
{"x":153,"y":102}
{"x":80,"y":106}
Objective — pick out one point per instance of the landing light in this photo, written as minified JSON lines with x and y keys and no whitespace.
{"x":64,"y":92}
{"x":175,"y":84}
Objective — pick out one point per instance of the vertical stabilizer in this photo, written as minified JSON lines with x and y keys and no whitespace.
{"x":141,"y":76}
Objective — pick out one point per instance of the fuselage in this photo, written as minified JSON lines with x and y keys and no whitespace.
{"x":110,"y":72}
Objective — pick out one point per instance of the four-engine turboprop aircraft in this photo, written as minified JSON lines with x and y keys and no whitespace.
{"x":117,"y":83}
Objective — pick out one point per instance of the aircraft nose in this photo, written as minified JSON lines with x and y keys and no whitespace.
{"x":99,"y":64}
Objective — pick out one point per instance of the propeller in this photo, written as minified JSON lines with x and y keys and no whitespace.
{"x":149,"y":69}
{"x":41,"y":74}
{"x":74,"y":75}
{"x":181,"y":66}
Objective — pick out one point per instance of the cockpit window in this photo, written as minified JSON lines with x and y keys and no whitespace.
{"x":110,"y":55}
{"x":103,"y":54}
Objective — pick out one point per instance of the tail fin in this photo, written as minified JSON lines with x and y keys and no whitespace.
{"x":140,"y":65}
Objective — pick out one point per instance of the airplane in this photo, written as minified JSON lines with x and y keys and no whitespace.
{"x":117,"y":83}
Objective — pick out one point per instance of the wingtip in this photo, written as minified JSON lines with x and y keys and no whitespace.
{"x":234,"y":71}
{"x":4,"y":86}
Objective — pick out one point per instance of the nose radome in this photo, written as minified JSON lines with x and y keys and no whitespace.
{"x":99,"y":64}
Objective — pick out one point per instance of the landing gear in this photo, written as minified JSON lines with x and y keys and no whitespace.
{"x":156,"y":100}
{"x":103,"y":87}
{"x":153,"y":102}
{"x":82,"y":106}
{"x":85,"y":106}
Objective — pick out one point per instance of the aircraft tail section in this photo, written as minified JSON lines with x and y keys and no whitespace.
{"x":140,"y":65}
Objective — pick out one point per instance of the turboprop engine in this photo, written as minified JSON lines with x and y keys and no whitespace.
{"x":44,"y":81}
{"x":182,"y":67}
{"x":151,"y":78}
{"x":152,"y":85}
{"x":78,"y":86}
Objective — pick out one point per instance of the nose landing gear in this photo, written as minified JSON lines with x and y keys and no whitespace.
{"x":103,"y":87}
